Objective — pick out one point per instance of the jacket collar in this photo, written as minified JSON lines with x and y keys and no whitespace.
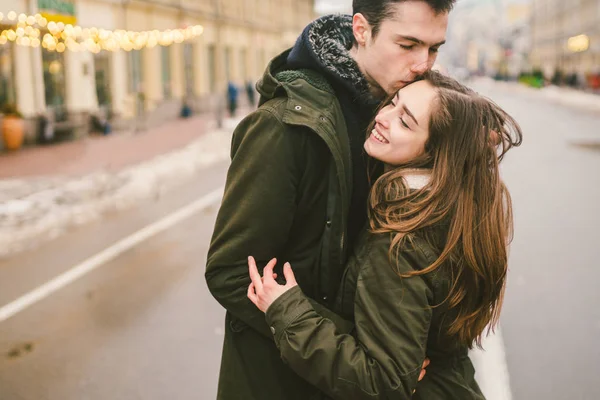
{"x":417,"y":178}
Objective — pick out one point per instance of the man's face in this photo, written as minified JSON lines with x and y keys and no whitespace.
{"x":405,"y":47}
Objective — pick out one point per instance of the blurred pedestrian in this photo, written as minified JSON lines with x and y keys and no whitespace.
{"x":250,"y":92}
{"x":232,"y":98}
{"x":298,"y":182}
{"x":428,"y":276}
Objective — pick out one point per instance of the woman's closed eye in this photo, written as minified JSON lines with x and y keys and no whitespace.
{"x":404,"y":124}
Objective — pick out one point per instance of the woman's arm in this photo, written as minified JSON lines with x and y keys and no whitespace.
{"x":383,"y":359}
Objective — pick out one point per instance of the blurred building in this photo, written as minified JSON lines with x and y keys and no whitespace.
{"x":489,"y":37}
{"x":566,"y":37}
{"x":238,"y":39}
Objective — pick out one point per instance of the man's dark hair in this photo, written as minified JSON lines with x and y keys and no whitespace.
{"x":376,"y":11}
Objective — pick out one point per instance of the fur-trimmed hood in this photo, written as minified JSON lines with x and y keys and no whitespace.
{"x":325,"y":46}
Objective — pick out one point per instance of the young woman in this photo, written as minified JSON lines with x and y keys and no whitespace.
{"x":428,"y":275}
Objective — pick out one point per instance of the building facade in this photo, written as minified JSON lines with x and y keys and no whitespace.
{"x":566,"y":37}
{"x":238,"y":39}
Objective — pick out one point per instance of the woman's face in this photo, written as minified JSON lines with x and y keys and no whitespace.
{"x":402,"y":127}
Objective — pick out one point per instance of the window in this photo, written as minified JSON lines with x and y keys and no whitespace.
{"x":135,"y":71}
{"x":7,"y":82}
{"x":212,"y":59}
{"x":53,"y":64}
{"x":165,"y":62}
{"x":102,"y":71}
{"x":188,"y":64}
{"x":228,"y":64}
{"x":244,"y":64}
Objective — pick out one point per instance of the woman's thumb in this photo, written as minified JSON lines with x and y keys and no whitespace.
{"x":290,"y":279}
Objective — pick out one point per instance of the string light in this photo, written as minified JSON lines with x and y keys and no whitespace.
{"x":26,"y":31}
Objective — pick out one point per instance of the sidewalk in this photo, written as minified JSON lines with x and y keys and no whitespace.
{"x":560,"y":95}
{"x":45,"y":190}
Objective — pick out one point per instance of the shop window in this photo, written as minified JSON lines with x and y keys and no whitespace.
{"x":228,"y":64}
{"x":188,"y":64}
{"x":244,"y":64}
{"x":54,"y":83}
{"x":102,"y":71}
{"x":135,"y":71}
{"x":212,"y":60}
{"x":7,"y":81}
{"x":165,"y":61}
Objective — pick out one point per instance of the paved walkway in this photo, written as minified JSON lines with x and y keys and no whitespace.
{"x":107,"y":153}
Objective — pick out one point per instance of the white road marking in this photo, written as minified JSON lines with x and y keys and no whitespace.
{"x":491,"y":368}
{"x":108,"y":254}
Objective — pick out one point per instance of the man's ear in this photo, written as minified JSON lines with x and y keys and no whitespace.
{"x":361,"y":29}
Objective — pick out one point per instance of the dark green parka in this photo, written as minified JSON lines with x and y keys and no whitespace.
{"x":287,"y":195}
{"x":398,"y":322}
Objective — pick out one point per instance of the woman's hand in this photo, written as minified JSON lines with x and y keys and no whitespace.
{"x":264,"y":291}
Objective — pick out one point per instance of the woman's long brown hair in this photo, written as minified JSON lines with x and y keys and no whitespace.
{"x":468,"y":137}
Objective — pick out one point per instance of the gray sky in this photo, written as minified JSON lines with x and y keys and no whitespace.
{"x":333,"y":6}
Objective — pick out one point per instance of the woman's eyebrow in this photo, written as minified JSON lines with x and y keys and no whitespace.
{"x":410,"y":114}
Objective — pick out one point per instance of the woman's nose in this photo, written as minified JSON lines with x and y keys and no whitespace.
{"x":382,"y":117}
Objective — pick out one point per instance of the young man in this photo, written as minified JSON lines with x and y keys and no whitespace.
{"x":297,"y":186}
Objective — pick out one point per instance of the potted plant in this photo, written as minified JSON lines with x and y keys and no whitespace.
{"x":13,"y":130}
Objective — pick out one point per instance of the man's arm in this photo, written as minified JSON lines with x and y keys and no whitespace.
{"x":257,"y":210}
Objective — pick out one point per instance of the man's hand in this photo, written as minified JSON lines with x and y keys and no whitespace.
{"x":264,"y":291}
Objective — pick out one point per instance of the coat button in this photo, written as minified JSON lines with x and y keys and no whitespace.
{"x":328,"y":223}
{"x":324,"y":298}
{"x":298,"y":108}
{"x":323,"y":119}
{"x":272,"y":330}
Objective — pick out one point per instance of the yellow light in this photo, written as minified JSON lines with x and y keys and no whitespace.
{"x":66,"y":36}
{"x":152,"y":42}
{"x":3,"y":39}
{"x":579,"y":43}
{"x":55,"y":67}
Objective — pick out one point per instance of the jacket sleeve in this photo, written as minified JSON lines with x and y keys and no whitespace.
{"x":256,"y":212}
{"x":383,"y":359}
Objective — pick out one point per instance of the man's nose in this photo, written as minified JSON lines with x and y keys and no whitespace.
{"x":422,"y":64}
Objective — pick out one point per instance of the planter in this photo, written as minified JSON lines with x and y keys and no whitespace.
{"x":13,"y":132}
